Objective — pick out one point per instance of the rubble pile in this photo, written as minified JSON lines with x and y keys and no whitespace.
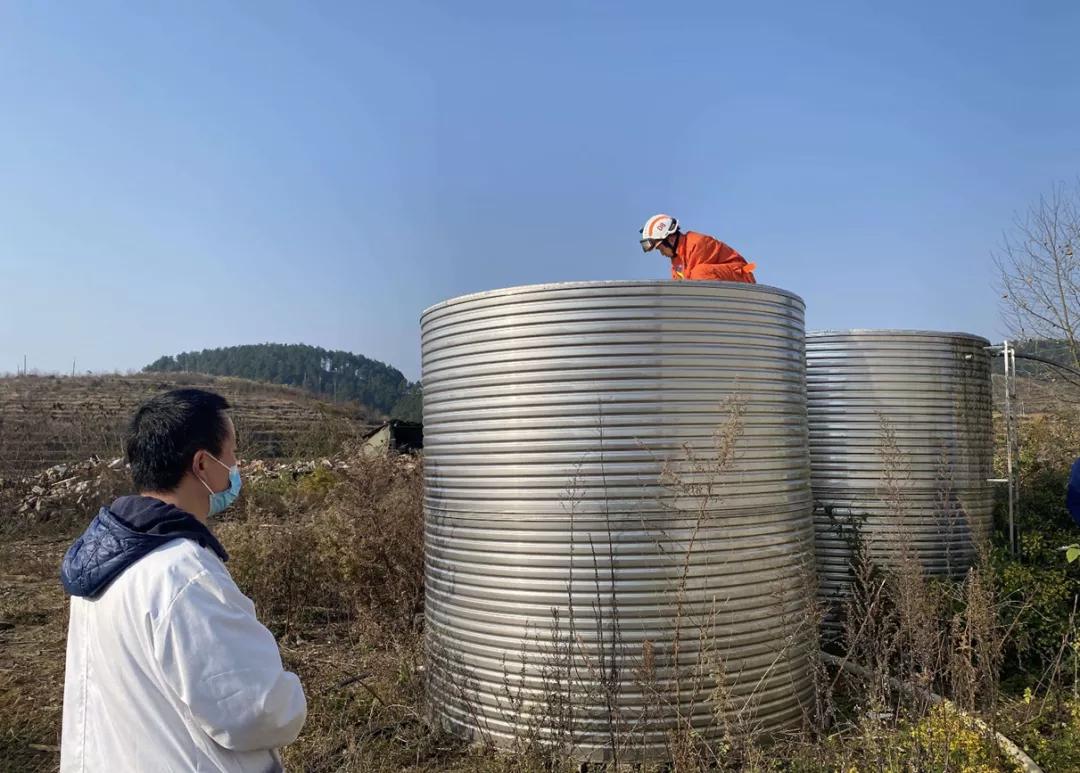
{"x":86,"y":485}
{"x":258,"y":469}
{"x":64,"y":487}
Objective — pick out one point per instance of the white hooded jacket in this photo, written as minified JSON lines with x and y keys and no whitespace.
{"x":168,"y":668}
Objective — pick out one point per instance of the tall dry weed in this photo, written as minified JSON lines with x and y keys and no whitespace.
{"x":334,"y":544}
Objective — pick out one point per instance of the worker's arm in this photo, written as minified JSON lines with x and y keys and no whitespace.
{"x":225,"y":666}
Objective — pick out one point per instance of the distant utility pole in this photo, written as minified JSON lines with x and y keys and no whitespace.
{"x":24,"y":364}
{"x":73,"y":367}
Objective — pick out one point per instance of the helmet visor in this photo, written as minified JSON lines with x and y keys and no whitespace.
{"x":648,"y":245}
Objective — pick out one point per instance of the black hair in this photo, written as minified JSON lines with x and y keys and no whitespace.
{"x":167,"y":431}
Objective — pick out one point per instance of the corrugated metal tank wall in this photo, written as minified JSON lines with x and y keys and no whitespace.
{"x":901,"y":447}
{"x":576,"y":502}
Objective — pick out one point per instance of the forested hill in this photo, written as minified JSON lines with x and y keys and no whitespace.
{"x":336,"y":374}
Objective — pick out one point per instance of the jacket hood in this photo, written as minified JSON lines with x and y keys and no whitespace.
{"x":121,"y":534}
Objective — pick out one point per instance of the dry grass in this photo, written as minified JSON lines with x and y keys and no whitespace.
{"x":33,"y":630}
{"x":334,"y":563}
{"x":336,"y":546}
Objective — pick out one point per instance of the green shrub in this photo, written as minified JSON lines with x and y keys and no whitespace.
{"x":1040,"y":585}
{"x":1048,"y":729}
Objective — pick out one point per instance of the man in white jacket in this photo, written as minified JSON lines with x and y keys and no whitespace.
{"x":168,"y":668}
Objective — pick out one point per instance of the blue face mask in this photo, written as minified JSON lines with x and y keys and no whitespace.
{"x":220,"y":500}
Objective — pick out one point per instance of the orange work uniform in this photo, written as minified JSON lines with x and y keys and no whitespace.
{"x":702,"y":257}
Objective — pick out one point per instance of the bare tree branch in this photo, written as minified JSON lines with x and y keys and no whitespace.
{"x":1038,"y":266}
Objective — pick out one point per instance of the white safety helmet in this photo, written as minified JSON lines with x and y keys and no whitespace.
{"x":656,"y":229}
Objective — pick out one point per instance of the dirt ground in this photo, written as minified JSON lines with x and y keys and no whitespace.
{"x":33,"y":632}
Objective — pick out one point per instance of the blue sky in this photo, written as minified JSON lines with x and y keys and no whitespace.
{"x":177,"y":176}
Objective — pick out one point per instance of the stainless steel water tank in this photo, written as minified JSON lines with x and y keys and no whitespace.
{"x":901,"y":448}
{"x":576,"y":501}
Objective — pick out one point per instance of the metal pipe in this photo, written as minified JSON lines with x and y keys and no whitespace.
{"x":1010,"y":375}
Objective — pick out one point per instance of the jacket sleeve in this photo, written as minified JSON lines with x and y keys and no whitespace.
{"x":225,"y":666}
{"x":1072,"y":494}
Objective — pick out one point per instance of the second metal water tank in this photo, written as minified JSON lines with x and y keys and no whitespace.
{"x":901,"y":448}
{"x":618,"y":522}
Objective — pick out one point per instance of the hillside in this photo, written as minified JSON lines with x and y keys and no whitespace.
{"x":337,"y":375}
{"x":46,"y":420}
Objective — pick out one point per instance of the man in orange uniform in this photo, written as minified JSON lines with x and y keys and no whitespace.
{"x":694,"y":255}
